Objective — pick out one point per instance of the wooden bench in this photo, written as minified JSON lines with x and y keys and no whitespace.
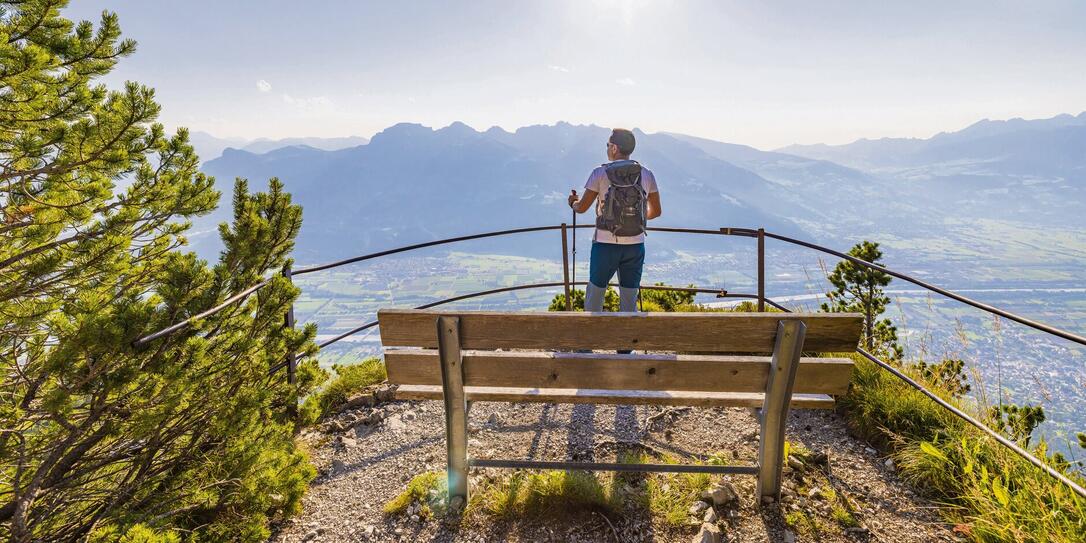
{"x":455,"y":356}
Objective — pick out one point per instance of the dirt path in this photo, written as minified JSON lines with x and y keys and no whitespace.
{"x":370,"y":461}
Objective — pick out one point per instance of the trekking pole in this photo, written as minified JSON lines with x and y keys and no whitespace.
{"x":574,"y":280}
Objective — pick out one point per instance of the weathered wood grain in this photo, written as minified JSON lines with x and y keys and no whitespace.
{"x":704,"y":332}
{"x":539,"y":369}
{"x":620,"y":397}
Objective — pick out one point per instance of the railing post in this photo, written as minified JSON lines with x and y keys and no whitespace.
{"x":292,"y":361}
{"x":761,"y":270}
{"x":292,"y":358}
{"x":565,"y":266}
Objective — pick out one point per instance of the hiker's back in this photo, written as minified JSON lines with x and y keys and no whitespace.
{"x":621,"y":209}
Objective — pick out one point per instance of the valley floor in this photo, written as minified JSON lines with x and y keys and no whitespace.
{"x":367,"y":456}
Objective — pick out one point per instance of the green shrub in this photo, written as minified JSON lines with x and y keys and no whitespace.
{"x":883,"y":408}
{"x":652,"y":301}
{"x":996,"y":493}
{"x":101,"y":439}
{"x":349,"y":380}
{"x":558,"y":303}
{"x":666,"y":300}
{"x":949,"y":375}
{"x":138,"y":533}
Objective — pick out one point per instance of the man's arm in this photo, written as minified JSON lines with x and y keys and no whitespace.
{"x":582,"y":205}
{"x":654,"y":206}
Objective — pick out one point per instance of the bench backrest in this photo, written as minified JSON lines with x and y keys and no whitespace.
{"x":536,"y":335}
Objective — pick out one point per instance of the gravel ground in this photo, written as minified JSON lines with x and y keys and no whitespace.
{"x":368,"y":454}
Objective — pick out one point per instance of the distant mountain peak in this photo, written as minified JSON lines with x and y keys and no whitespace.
{"x":401,"y":131}
{"x":234,"y":151}
{"x":404,"y":127}
{"x":458,"y":128}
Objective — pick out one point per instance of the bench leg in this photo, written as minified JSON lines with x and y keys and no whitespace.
{"x":782,"y":374}
{"x":456,"y":417}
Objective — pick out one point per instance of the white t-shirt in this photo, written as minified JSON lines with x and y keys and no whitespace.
{"x":598,"y":182}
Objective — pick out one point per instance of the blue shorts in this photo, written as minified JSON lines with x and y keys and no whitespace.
{"x":608,"y":258}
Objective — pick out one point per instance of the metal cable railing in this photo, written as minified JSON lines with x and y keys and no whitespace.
{"x":725,"y":231}
{"x":761,"y":298}
{"x":1078,"y":489}
{"x":938,"y":290}
{"x":720,"y":293}
{"x":187,"y":323}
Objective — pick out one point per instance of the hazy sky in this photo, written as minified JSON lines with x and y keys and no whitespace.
{"x":762,"y":73}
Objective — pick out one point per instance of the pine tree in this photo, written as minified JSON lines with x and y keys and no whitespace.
{"x":1017,"y":421}
{"x":859,"y":289}
{"x":99,"y":439}
{"x":948,"y":374}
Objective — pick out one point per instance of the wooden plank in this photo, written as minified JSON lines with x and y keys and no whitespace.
{"x":539,"y":369}
{"x":700,"y":332}
{"x":613,"y":397}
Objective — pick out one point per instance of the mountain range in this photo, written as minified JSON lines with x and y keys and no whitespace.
{"x":412,"y":183}
{"x":1030,"y":170}
{"x":208,"y":146}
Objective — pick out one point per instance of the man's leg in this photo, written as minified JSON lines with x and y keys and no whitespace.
{"x":627,"y":299}
{"x":593,"y":298}
{"x":629,"y":276}
{"x":629,"y":279}
{"x":602,"y":266}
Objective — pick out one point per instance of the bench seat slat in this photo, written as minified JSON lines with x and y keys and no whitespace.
{"x":613,"y":397}
{"x":666,"y":372}
{"x":683,"y":332}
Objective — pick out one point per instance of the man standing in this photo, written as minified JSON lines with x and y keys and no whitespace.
{"x":627,"y":197}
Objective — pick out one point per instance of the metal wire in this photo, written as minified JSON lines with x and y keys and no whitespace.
{"x":406,"y":248}
{"x":1075,"y":487}
{"x":169,"y":330}
{"x":725,"y":231}
{"x":699,"y":290}
{"x":969,"y":301}
{"x":185,"y":324}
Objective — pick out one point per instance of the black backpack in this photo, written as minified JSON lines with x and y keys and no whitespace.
{"x":625,"y":204}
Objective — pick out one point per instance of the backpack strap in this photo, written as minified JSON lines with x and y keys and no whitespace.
{"x":612,"y":171}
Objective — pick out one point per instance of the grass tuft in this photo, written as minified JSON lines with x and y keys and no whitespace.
{"x":546,"y":493}
{"x":997,"y":494}
{"x":426,"y":489}
{"x":844,"y":517}
{"x":670,"y":495}
{"x":349,"y":379}
{"x":803,"y":523}
{"x":667,"y":496}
